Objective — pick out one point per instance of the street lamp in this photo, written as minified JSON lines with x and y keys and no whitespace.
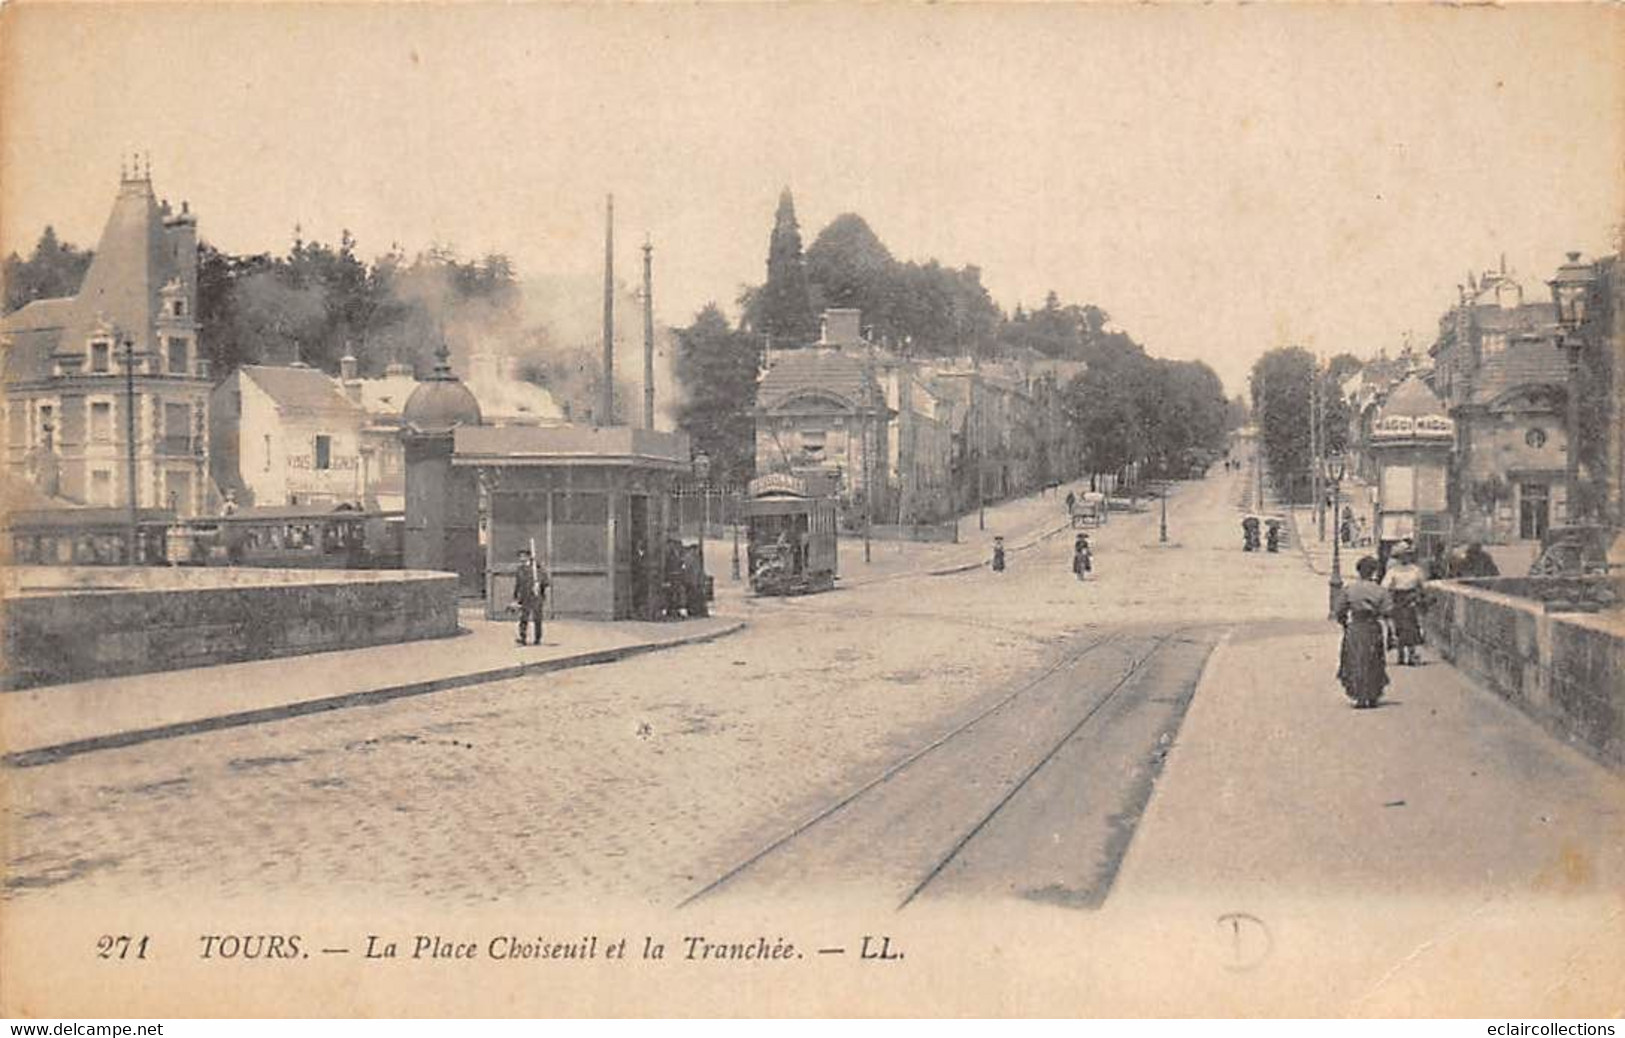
{"x":129,"y":450}
{"x":702,"y":473}
{"x":1162,"y":529}
{"x":1571,"y":293}
{"x":739,"y":504}
{"x":1335,"y":467}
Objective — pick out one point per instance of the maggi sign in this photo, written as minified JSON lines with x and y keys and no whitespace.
{"x":778,"y":483}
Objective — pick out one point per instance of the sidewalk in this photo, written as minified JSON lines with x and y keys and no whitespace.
{"x":41,"y":725}
{"x":1440,"y":846}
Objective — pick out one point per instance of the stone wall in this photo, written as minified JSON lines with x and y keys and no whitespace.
{"x":1563,"y":669}
{"x":72,"y":624}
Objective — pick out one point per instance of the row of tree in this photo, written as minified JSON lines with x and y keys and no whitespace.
{"x":914,"y":308}
{"x":317,"y":302}
{"x":313,"y":304}
{"x":1127,"y":407}
{"x":320,"y":301}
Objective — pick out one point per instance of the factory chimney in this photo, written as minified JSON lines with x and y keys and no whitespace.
{"x":648,"y":335}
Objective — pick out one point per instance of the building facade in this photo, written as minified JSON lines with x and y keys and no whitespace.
{"x":932,"y":437}
{"x":70,"y":401}
{"x":288,"y":436}
{"x":1503,"y":380}
{"x":823,"y":409}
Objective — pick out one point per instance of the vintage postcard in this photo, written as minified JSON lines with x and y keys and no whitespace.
{"x":812,"y":510}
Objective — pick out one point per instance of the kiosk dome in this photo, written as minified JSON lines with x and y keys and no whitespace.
{"x":441,"y":402}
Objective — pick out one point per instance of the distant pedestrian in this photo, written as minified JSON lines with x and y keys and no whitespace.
{"x":1249,"y":533}
{"x":998,"y":554}
{"x":1362,"y":664}
{"x":1071,"y":502}
{"x":1082,"y":562}
{"x":1346,"y":527}
{"x":529,"y":592}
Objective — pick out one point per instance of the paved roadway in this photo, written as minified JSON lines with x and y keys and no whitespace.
{"x":623,"y":782}
{"x":989,"y":744}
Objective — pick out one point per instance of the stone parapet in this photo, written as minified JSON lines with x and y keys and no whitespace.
{"x":59,"y":628}
{"x":1563,"y":669}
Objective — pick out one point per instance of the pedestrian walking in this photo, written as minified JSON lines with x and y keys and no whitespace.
{"x":529,"y":592}
{"x":998,"y":554}
{"x":1071,"y":502}
{"x":1405,"y":582}
{"x":1362,"y":663}
{"x":1082,"y":563}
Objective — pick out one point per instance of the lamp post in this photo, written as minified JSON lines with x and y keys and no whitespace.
{"x":1571,"y":294}
{"x":129,"y":448}
{"x":738,"y":507}
{"x":702,"y":473}
{"x":1162,"y":529}
{"x":1335,"y":470}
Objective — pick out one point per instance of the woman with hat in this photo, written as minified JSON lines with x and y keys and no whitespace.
{"x":1405,"y":582}
{"x":1362,"y":664}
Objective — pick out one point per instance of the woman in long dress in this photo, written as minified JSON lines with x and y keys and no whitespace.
{"x":1405,"y":581}
{"x":1363,"y":662}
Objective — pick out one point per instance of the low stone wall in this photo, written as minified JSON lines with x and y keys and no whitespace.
{"x":1563,"y":669}
{"x":74,"y":623}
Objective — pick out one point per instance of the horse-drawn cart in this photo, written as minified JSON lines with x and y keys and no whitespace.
{"x":1089,"y":510}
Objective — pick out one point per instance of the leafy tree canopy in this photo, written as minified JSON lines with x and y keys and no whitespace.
{"x":55,"y":268}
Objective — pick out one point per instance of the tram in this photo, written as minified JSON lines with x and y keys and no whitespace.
{"x":791,"y":530}
{"x":275,"y":537}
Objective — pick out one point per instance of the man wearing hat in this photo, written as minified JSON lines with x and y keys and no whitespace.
{"x":529,"y":590}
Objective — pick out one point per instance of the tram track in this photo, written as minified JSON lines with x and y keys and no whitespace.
{"x":811,"y":837}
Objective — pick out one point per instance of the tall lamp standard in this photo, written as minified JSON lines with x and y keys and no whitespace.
{"x":702,"y":474}
{"x":1162,"y":528}
{"x":1571,"y":293}
{"x":1335,"y":468}
{"x":129,"y":449}
{"x":739,"y":506}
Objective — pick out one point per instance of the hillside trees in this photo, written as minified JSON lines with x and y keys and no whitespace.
{"x":55,"y":268}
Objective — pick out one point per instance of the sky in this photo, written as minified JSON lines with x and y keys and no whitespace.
{"x":1222,"y":180}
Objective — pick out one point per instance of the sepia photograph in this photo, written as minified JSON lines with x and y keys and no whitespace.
{"x":940,"y":510}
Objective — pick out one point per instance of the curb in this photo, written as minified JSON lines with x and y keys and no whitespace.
{"x":1027,"y":545}
{"x":368,"y":697}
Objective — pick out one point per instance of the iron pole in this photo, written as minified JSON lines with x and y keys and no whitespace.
{"x":129,"y":447}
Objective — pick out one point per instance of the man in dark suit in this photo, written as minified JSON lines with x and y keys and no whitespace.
{"x":529,"y":591}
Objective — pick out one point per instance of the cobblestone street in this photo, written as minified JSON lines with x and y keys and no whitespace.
{"x":643,"y":781}
{"x":634,"y":780}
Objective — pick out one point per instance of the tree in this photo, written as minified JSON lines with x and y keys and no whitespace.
{"x":717,"y":368}
{"x":54,"y":269}
{"x":852,"y":268}
{"x":1280,"y":387}
{"x":1104,"y":420}
{"x":782,"y":307}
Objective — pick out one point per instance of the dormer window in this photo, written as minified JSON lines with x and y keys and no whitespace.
{"x":179,"y":307}
{"x":101,"y":358}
